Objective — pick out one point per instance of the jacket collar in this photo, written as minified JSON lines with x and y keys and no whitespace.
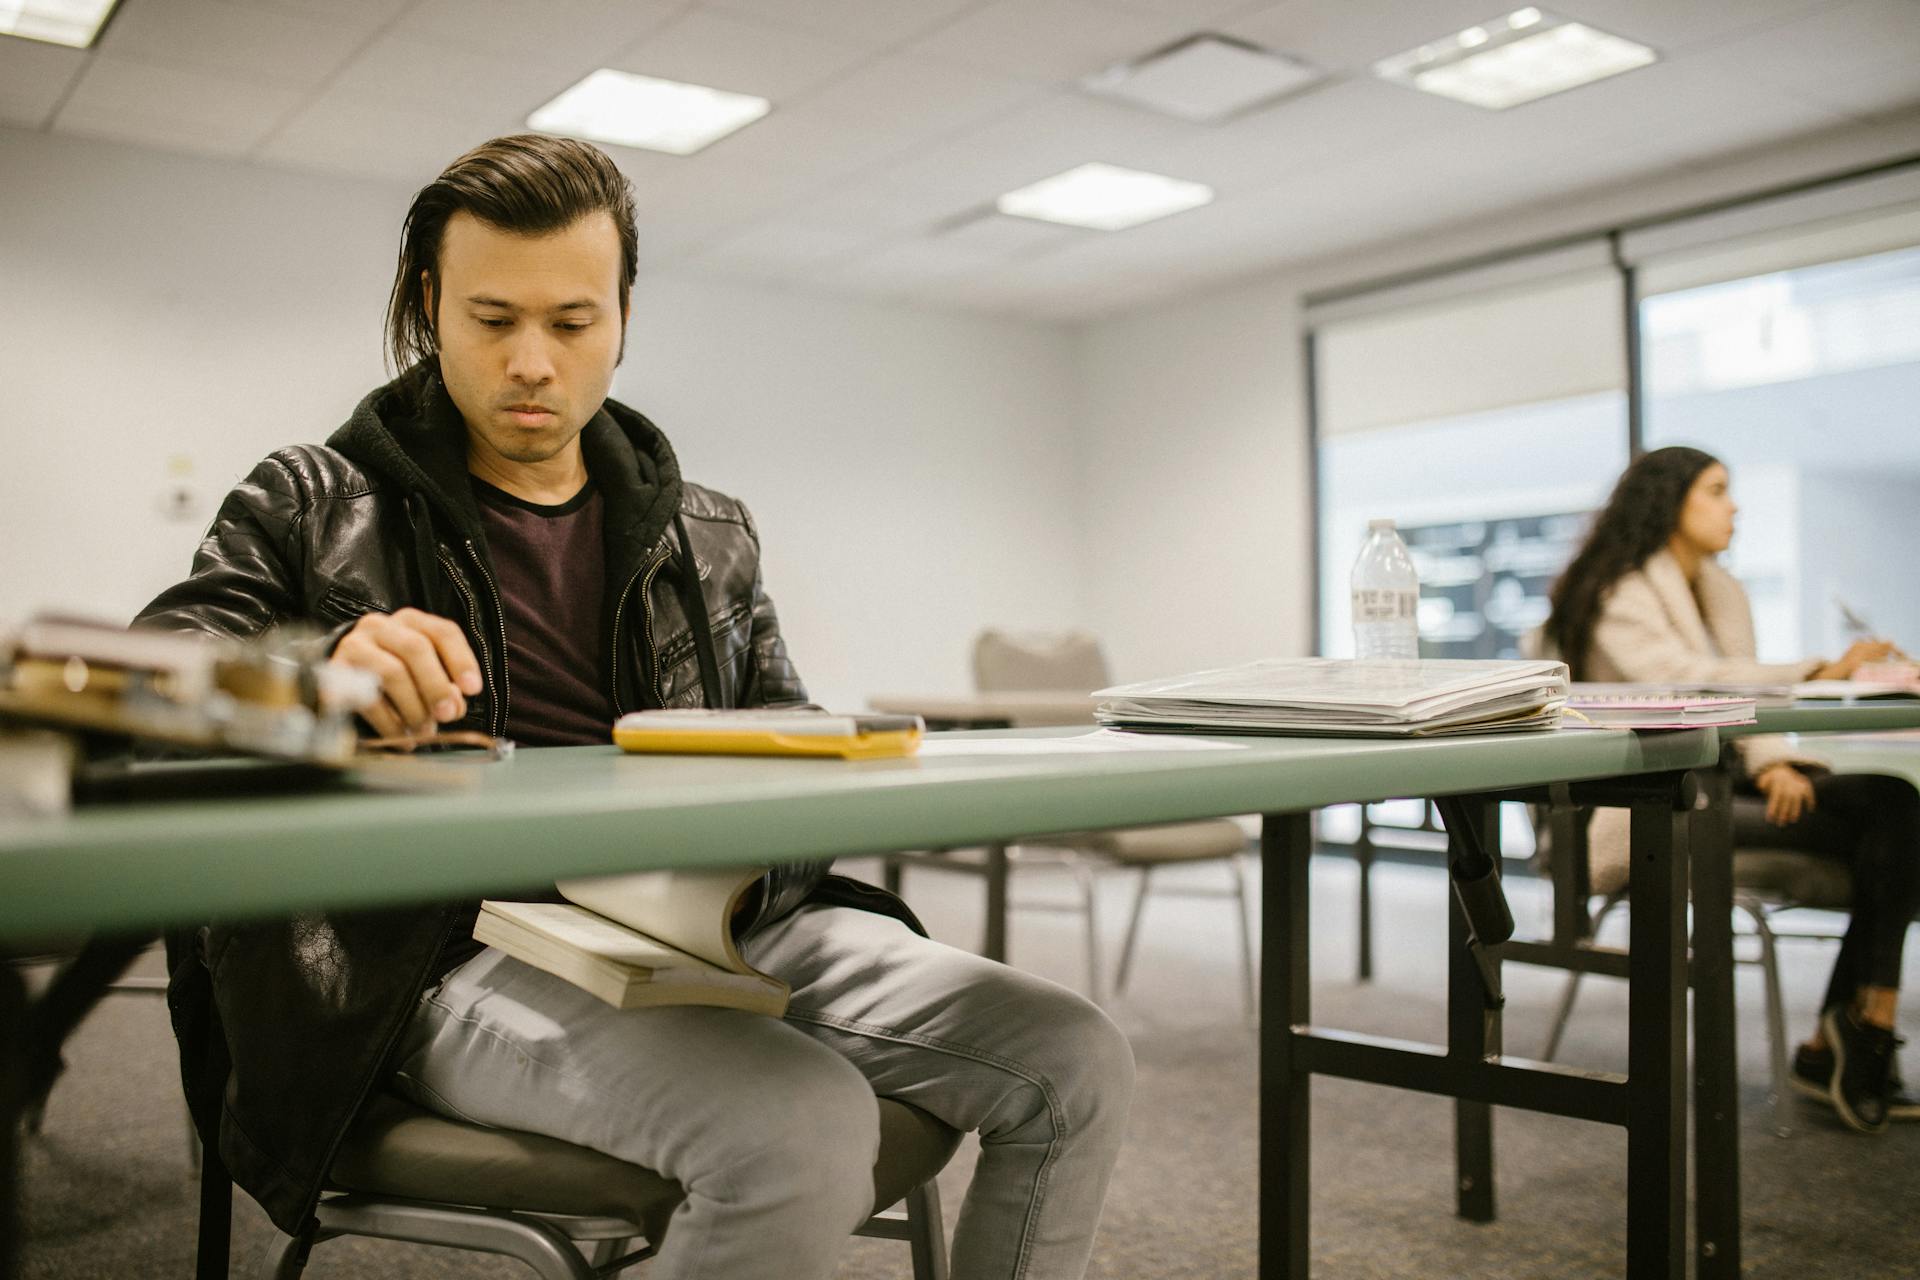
{"x":410,"y":432}
{"x":1712,"y":613}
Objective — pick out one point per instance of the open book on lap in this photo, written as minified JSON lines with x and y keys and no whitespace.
{"x":643,"y":939}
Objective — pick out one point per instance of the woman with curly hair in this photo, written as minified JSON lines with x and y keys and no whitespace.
{"x":1645,"y":600}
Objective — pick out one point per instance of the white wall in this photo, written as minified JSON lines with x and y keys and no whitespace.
{"x":1194,"y":429}
{"x":1860,"y":528}
{"x":912,"y":472}
{"x":1198,"y":532}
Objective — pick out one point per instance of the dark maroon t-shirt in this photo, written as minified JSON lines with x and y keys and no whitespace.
{"x":550,"y":565}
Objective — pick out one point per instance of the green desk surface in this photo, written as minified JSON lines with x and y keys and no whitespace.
{"x":576,"y":811}
{"x":1869,"y":715}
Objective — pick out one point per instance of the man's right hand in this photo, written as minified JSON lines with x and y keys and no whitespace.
{"x":424,"y":665}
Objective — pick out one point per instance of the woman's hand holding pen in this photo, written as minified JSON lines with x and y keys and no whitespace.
{"x":1858,"y":654}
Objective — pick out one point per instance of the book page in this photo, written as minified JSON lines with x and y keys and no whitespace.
{"x":690,"y":910}
{"x":588,"y":931}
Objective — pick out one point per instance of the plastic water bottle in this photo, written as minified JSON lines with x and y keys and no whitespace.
{"x":1386,"y":597}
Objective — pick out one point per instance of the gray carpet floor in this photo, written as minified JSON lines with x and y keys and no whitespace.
{"x":107,"y":1192}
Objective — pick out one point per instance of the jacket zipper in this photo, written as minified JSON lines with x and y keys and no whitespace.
{"x":500,"y":617}
{"x":648,"y":570}
{"x":473,"y":624}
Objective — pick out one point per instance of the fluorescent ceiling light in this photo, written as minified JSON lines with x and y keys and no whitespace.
{"x":75,"y":23}
{"x":1203,"y":78}
{"x":628,"y":110}
{"x":1509,"y":60}
{"x":1104,"y":197}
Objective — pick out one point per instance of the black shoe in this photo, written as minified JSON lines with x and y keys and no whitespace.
{"x":1901,"y":1105}
{"x":1862,"y":1066}
{"x":1812,"y":1073}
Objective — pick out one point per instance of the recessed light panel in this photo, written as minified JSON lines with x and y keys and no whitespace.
{"x":1525,"y":55}
{"x":1104,"y":197}
{"x":75,"y":23}
{"x":1204,"y":78}
{"x":630,"y":110}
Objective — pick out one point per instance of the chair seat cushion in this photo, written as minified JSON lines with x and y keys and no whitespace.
{"x":1171,"y":842}
{"x":399,"y":1149}
{"x":1803,"y":879}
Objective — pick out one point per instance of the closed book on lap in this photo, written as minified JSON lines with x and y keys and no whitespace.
{"x":645,"y":939}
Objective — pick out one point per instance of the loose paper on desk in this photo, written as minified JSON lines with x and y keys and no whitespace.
{"x":1849,"y":690}
{"x":1346,"y":698}
{"x":1597,"y":707}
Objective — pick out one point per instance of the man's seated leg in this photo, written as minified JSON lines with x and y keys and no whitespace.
{"x":1039,"y":1071}
{"x":772,"y":1134}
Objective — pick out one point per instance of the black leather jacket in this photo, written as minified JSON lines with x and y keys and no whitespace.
{"x":286,"y":1026}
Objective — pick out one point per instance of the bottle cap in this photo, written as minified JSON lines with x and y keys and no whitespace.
{"x":1377,"y":525}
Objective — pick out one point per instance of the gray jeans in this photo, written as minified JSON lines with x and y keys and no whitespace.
{"x":771,"y":1126}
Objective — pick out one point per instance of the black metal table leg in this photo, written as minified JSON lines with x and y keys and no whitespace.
{"x":13,"y":1086}
{"x":1473,"y":1035}
{"x":1716,"y":1118}
{"x":994,"y":945}
{"x":1656,"y":1034}
{"x":1286,"y":841}
{"x":1363,"y":857}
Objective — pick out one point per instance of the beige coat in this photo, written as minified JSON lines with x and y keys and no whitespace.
{"x":1655,"y":628}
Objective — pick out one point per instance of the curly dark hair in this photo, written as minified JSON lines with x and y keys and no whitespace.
{"x":526,"y":182}
{"x":1638,"y":520}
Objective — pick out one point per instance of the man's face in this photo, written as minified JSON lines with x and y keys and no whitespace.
{"x":529,"y":330}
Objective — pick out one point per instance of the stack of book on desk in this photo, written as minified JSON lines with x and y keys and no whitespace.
{"x":1644,"y":706}
{"x":1345,"y":698}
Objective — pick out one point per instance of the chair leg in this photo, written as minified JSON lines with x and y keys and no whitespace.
{"x":284,"y":1258}
{"x":1089,"y":895}
{"x":541,"y":1245}
{"x":1243,"y":910}
{"x":1558,"y":1028}
{"x":1782,"y":1100}
{"x":929,"y":1238}
{"x":1133,"y":931}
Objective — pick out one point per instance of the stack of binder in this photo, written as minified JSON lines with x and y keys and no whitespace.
{"x":1343,"y":698}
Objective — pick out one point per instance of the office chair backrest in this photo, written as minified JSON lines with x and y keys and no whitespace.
{"x":1009,"y":661}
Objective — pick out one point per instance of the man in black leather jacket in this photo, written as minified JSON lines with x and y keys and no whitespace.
{"x":406,"y":538}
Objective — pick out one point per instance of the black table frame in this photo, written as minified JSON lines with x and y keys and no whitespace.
{"x":1679,"y":831}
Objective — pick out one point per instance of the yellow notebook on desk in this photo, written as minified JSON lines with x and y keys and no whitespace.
{"x":769,"y":733}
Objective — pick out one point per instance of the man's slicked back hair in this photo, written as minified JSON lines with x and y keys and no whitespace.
{"x":526,"y":183}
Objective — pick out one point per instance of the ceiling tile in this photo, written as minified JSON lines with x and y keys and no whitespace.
{"x":780,"y":248}
{"x":33,"y":75}
{"x":364,"y":17}
{"x":171,"y":107}
{"x":873,"y":24}
{"x":1033,"y":141}
{"x":1289,"y":140}
{"x":578,"y":33}
{"x":1197,"y":13}
{"x":1682,"y":107}
{"x":436,"y":75}
{"x":1673,"y":28}
{"x":1051,"y":41}
{"x":238,"y":42}
{"x":913,"y":101}
{"x":1352,"y":37}
{"x":1861,"y":57}
{"x":739,"y":54}
{"x":342,"y":133}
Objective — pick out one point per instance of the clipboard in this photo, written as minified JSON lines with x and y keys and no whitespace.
{"x":769,"y":733}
